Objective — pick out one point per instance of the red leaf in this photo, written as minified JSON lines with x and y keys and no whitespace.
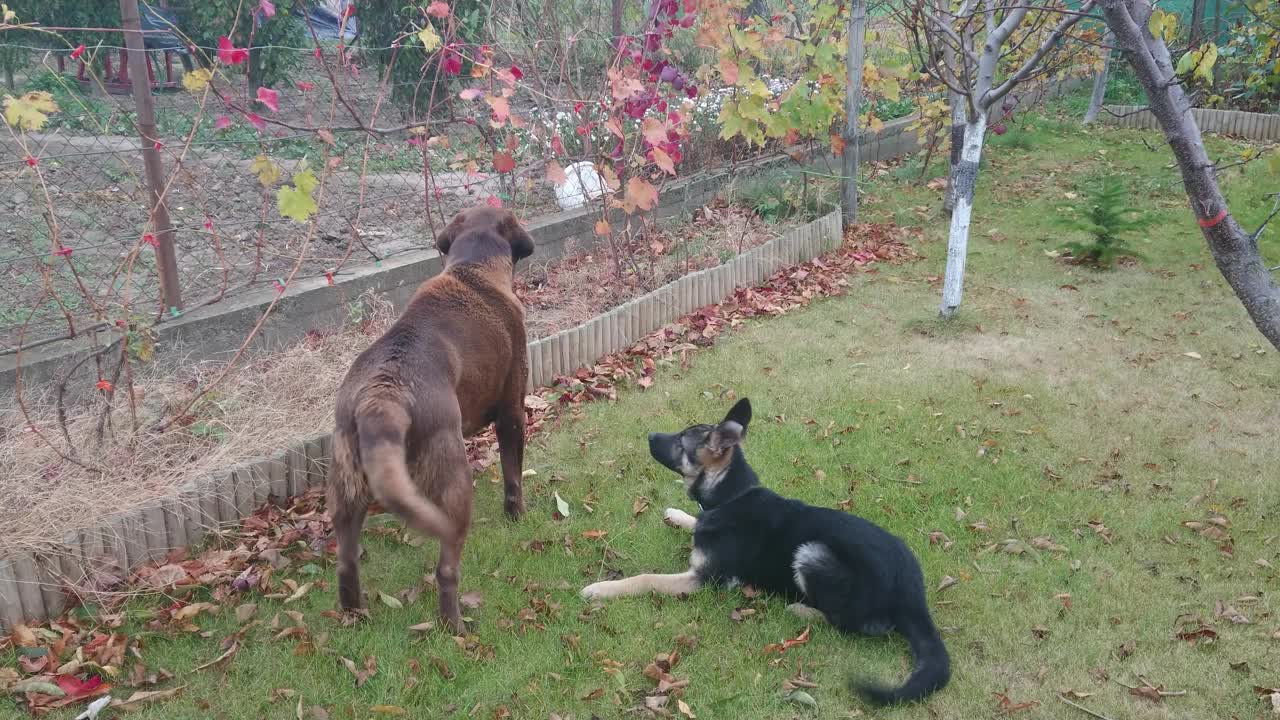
{"x":305,"y":86}
{"x":516,"y":72}
{"x":229,"y":54}
{"x":222,"y":123}
{"x":31,"y":161}
{"x":256,"y":121}
{"x":76,"y":688}
{"x":270,"y":98}
{"x":438,"y":9}
{"x":150,"y":240}
{"x":494,"y":201}
{"x":75,"y":54}
{"x":503,"y":162}
{"x":105,"y":385}
{"x":268,"y":9}
{"x":452,"y":61}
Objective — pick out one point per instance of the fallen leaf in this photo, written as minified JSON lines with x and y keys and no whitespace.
{"x":1149,"y":693}
{"x":684,"y":709}
{"x":389,"y":601}
{"x":245,"y":612}
{"x":140,"y":699}
{"x":422,"y":626}
{"x":562,"y":507}
{"x":297,"y":594}
{"x":362,"y":676}
{"x":1192,"y":355}
{"x":472,"y":599}
{"x":947,"y":581}
{"x":388,"y":710}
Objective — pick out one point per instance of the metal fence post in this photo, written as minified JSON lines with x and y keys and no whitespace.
{"x":167,"y":259}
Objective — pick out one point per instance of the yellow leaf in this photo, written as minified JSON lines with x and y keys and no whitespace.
{"x":29,"y":111}
{"x":9,"y":15}
{"x":430,"y":40}
{"x":197,"y":80}
{"x":602,"y":229}
{"x":640,"y":195}
{"x":297,"y":204}
{"x":729,"y":70}
{"x":654,"y":130}
{"x":388,"y":710}
{"x":268,"y":172}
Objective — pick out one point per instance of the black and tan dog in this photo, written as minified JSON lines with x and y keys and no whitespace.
{"x":836,"y":566}
{"x":454,"y":362}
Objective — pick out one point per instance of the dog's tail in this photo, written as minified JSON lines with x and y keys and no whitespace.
{"x":382,"y":424}
{"x":932,"y":664}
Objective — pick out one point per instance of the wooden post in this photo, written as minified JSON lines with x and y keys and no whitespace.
{"x":167,"y":259}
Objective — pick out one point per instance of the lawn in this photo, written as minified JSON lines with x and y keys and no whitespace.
{"x":1041,"y":455}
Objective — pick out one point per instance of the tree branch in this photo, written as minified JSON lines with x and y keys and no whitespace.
{"x":993,"y":96}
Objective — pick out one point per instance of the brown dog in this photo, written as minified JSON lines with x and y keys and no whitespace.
{"x":454,"y":362}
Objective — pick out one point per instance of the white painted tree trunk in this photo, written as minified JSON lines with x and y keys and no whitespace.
{"x":957,"y":145}
{"x":1100,"y":82}
{"x":966,"y":178}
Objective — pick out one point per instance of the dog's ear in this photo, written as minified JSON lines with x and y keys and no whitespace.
{"x":450,"y":233}
{"x":733,"y":429}
{"x":740,"y":413}
{"x":521,"y":242}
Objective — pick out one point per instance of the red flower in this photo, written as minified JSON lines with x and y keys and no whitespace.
{"x":75,"y":54}
{"x":229,"y":54}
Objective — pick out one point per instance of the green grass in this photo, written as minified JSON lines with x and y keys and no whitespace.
{"x":1040,"y":410}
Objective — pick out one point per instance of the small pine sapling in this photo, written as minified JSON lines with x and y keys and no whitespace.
{"x":1106,"y":216}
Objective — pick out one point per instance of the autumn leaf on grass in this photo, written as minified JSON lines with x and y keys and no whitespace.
{"x":786,"y":645}
{"x":296,"y":202}
{"x":1009,"y":707}
{"x":268,"y":172}
{"x":29,"y":111}
{"x":390,"y":601}
{"x":362,"y":676}
{"x":139,"y":699}
{"x":197,"y":80}
{"x":471,"y":600}
{"x":562,"y":507}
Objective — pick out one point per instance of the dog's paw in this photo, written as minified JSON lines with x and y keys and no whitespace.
{"x":596,"y":591}
{"x":677,"y":518}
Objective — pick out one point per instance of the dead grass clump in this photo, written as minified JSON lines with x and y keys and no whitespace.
{"x":256,"y":410}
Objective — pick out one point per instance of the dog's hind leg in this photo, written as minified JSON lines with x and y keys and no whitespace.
{"x":348,"y":521}
{"x":447,"y":478}
{"x":510,"y":430}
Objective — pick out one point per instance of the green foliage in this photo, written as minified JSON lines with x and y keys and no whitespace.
{"x":272,"y":57}
{"x":415,"y":71}
{"x":780,"y":196}
{"x":1105,"y":215}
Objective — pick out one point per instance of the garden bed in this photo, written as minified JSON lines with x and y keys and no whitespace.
{"x":272,"y":402}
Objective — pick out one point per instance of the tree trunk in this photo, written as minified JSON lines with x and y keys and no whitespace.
{"x":857,"y":34}
{"x":958,"y":102}
{"x":1197,"y":22}
{"x":615,"y":21}
{"x":1234,"y":251}
{"x":966,"y":180}
{"x":1100,"y":81}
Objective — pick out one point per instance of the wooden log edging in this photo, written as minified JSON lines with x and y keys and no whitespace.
{"x":1251,"y":126}
{"x":36,"y":586}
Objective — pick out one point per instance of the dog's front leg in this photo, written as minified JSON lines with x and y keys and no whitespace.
{"x":678,"y":518}
{"x":678,"y":584}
